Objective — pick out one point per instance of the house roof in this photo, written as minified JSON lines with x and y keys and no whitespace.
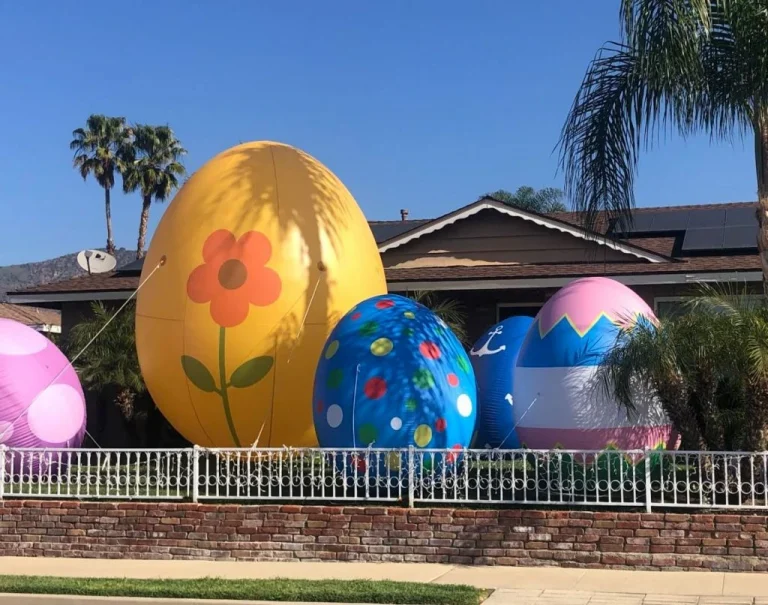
{"x":30,"y":316}
{"x":115,"y":281}
{"x":660,"y":250}
{"x":714,"y":268}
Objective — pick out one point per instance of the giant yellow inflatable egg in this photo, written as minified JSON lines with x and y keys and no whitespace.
{"x":259,"y":255}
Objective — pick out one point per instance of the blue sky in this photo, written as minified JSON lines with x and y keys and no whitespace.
{"x":418,"y":105}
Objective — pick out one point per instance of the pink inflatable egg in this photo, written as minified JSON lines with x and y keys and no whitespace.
{"x":559,"y":402}
{"x":41,"y":401}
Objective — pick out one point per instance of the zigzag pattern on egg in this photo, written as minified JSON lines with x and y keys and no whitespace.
{"x":622,"y":322}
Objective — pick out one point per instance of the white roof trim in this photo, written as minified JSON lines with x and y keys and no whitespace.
{"x":41,"y":297}
{"x":557,"y":282}
{"x":543,"y":221}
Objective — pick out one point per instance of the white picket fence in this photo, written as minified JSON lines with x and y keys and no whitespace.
{"x":610,"y":478}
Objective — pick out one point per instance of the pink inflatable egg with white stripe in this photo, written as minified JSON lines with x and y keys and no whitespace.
{"x":42,"y":404}
{"x":560,"y":401}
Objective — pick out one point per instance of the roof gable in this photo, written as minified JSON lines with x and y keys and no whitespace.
{"x":538,"y":219}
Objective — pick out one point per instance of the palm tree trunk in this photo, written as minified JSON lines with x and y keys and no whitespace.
{"x":143,"y":223}
{"x":761,"y":164}
{"x":108,"y":209}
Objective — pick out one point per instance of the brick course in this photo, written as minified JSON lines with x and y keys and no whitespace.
{"x":141,"y":530}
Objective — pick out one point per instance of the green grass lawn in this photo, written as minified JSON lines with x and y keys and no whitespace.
{"x":328,"y":591}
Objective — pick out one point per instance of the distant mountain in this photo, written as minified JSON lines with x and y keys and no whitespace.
{"x":15,"y":277}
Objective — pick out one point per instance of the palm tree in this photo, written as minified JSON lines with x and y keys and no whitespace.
{"x":152,"y":167}
{"x":688,"y":65}
{"x":108,"y":367}
{"x":447,"y":309}
{"x":109,"y":364}
{"x":549,"y":199}
{"x":97,"y":150}
{"x":708,"y":367}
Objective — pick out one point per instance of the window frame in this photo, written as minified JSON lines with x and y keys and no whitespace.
{"x":504,"y":305}
{"x":682,"y":299}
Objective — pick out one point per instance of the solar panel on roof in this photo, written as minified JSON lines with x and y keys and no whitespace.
{"x":703,"y":239}
{"x":663,"y":221}
{"x":673,"y":220}
{"x":739,"y":238}
{"x":741,"y":217}
{"x":708,"y":218}
{"x":639,"y":222}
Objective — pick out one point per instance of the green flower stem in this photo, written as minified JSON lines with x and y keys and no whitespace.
{"x":224,"y":385}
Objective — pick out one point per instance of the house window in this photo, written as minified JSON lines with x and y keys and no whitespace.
{"x":667,"y":307}
{"x":506,"y":310}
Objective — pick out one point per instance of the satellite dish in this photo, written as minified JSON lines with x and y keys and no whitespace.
{"x":96,"y":261}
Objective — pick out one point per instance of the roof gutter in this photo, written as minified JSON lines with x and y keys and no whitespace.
{"x":54,"y":297}
{"x":654,"y":279}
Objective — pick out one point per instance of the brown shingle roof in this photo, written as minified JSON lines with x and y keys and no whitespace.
{"x":30,"y":316}
{"x":103,"y":282}
{"x":660,"y":245}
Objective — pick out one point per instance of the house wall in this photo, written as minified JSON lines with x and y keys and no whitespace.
{"x":72,"y":313}
{"x":492,"y":238}
{"x":481,"y":306}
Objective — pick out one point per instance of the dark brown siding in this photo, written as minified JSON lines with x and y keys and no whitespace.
{"x":72,"y":313}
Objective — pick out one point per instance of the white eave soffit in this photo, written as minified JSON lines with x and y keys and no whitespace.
{"x":542,"y":221}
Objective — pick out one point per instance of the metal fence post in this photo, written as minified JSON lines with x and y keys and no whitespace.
{"x":195,"y":473}
{"x":648,"y":492}
{"x":411,"y":476}
{"x":3,"y":449}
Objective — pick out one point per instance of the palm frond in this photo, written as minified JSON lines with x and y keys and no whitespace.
{"x":708,"y":368}
{"x":449,"y":310}
{"x":680,"y":67}
{"x":599,"y":140}
{"x":111,"y":359}
{"x":153,"y":163}
{"x":96,"y":148}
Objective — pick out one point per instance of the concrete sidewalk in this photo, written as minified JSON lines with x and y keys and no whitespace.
{"x":514,"y":585}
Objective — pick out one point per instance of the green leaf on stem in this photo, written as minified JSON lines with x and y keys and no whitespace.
{"x":251,"y":372}
{"x":198,"y":374}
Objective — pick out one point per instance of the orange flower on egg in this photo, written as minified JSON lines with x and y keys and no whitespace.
{"x":234,"y":276}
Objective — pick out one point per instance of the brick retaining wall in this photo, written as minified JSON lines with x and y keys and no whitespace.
{"x":290,"y":532}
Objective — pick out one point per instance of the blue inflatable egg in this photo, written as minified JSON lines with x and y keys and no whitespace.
{"x":393,"y":375}
{"x":493,"y":358}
